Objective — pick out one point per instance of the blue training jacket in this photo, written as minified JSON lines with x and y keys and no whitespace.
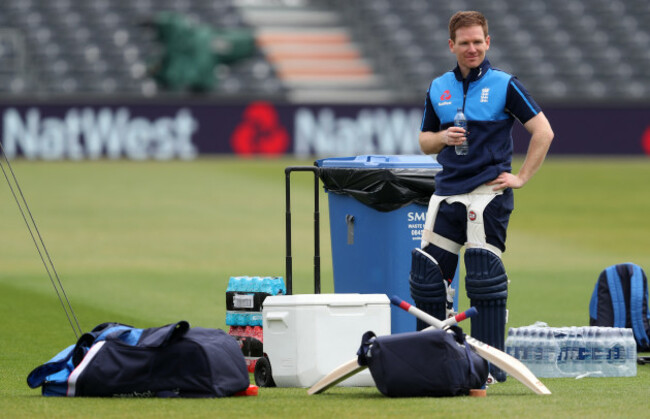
{"x":491,"y":100}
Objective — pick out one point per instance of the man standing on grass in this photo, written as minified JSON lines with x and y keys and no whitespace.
{"x":473,"y":197}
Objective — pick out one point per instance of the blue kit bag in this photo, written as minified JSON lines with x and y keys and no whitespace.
{"x":620,"y":299}
{"x":175,"y":360}
{"x":422,"y":364}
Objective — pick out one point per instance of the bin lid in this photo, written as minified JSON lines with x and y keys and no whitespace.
{"x":384,"y":183}
{"x":377,"y":162}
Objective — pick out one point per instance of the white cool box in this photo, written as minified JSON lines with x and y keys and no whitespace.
{"x":306,"y":336}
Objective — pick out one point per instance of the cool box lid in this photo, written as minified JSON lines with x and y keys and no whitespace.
{"x":325,"y":300}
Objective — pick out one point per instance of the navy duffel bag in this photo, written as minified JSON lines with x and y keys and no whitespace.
{"x":427,"y":363}
{"x":175,"y":360}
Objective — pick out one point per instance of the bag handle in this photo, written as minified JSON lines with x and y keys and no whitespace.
{"x":99,"y":333}
{"x":164,"y":335}
{"x":367,"y":341}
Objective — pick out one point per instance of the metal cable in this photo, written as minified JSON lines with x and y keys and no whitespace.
{"x":55,"y":280}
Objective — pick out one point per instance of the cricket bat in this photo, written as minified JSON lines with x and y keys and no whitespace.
{"x":352,"y":367}
{"x":507,"y":363}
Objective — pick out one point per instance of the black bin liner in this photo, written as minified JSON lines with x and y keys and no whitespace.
{"x":382,"y":189}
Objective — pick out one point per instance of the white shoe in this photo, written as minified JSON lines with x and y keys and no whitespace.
{"x":491,"y":380}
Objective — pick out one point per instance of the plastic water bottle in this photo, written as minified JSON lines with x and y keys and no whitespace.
{"x":586,"y":349}
{"x":583,"y":357}
{"x":577,"y":350}
{"x":256,"y":283}
{"x":510,"y":341}
{"x":255,"y":319}
{"x":233,"y":283}
{"x":622,"y":352}
{"x":513,"y":343}
{"x":247,"y":284}
{"x":551,"y":352}
{"x":265,"y":286}
{"x":599,"y":356}
{"x":616,"y":353}
{"x":539,"y":344}
{"x":568,"y":344}
{"x":461,"y":121}
{"x":519,"y":344}
{"x":277,"y":286}
{"x":535,"y":350}
{"x":526,"y":349}
{"x":559,"y":335}
{"x":607,"y":344}
{"x":281,"y":286}
{"x":630,"y":353}
{"x":587,"y":357}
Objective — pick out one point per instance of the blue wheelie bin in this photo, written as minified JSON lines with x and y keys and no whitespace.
{"x":377,"y":209}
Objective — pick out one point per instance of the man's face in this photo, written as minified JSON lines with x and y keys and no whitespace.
{"x":470,"y":47}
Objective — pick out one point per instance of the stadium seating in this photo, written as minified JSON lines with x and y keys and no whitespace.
{"x":105,"y":47}
{"x":563,"y":50}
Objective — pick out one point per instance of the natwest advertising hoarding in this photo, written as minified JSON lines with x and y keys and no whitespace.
{"x":91,"y":133}
{"x":183,"y":131}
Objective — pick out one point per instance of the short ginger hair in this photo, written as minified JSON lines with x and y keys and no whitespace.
{"x":464,"y":19}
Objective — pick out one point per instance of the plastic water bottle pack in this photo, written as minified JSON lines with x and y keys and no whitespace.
{"x":245,"y":295}
{"x":244,"y":298}
{"x":574,"y":351}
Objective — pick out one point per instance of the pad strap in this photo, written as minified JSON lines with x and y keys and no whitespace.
{"x":497,"y":252}
{"x":451,"y":246}
{"x":430,"y":221}
{"x":475,"y":203}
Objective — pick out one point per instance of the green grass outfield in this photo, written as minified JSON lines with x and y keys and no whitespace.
{"x":155,"y":242}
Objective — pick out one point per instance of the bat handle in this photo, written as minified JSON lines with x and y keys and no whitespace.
{"x":395,"y":300}
{"x":471,"y":312}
